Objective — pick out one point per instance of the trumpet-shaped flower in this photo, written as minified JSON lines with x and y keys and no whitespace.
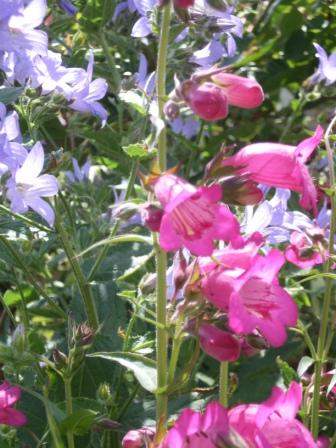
{"x":193,"y":216}
{"x":273,"y":423}
{"x":245,"y":285}
{"x":210,"y":92}
{"x":8,"y":396}
{"x":279,"y":165}
{"x":27,"y":187}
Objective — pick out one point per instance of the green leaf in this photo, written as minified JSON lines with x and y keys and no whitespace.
{"x":10,"y":94}
{"x":139,"y":151}
{"x":13,"y":297}
{"x":304,"y":364}
{"x":144,"y":369}
{"x":79,"y":422}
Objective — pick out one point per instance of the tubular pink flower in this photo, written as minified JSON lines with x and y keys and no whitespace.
{"x":245,"y":285}
{"x":241,"y":92}
{"x":9,"y":395}
{"x":273,"y":423}
{"x":192,"y":216}
{"x":279,"y":165}
{"x":219,"y":344}
{"x":207,"y":100}
{"x":196,"y":430}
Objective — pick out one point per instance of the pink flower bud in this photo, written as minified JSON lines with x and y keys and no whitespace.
{"x":241,"y":92}
{"x":151,"y":216}
{"x":219,"y":344}
{"x":207,"y":100}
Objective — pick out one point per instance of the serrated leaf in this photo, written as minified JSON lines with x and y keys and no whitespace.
{"x":10,"y":94}
{"x":79,"y":422}
{"x":304,"y":364}
{"x":144,"y":369}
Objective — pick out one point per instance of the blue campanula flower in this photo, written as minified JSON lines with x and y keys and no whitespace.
{"x":326,"y":70}
{"x":68,"y":7}
{"x":86,"y":93}
{"x":17,"y":27}
{"x":79,"y":174}
{"x":27,"y":187}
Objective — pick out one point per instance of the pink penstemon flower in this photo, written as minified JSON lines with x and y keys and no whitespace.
{"x":279,"y":165}
{"x":245,"y":285}
{"x":193,"y":217}
{"x":209,"y":93}
{"x":9,"y":395}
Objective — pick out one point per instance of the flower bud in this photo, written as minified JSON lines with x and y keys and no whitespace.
{"x":83,"y":335}
{"x":60,"y":359}
{"x":151,"y":216}
{"x":207,"y":100}
{"x":219,"y":344}
{"x":104,"y":393}
{"x":19,"y":339}
{"x":171,"y":110}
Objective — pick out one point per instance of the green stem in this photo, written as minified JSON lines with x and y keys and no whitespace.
{"x":321,"y":356}
{"x":177,"y":342}
{"x":224,"y":384}
{"x":18,"y":258}
{"x":82,"y":284}
{"x":69,"y":410}
{"x":161,"y":257}
{"x":26,"y":220}
{"x":56,"y":436}
{"x":115,"y":227}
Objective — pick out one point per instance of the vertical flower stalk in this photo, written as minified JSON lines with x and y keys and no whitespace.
{"x":224,"y":383}
{"x":161,"y":257}
{"x":321,"y":353}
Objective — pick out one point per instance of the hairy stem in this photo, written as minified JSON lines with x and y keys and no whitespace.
{"x":224,"y":384}
{"x":161,"y":256}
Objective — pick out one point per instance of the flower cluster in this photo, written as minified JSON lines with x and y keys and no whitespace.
{"x":25,"y":186}
{"x":25,"y":58}
{"x":271,"y":424}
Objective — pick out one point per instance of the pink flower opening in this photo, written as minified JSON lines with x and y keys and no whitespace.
{"x":245,"y":285}
{"x":279,"y":165}
{"x":192,"y":216}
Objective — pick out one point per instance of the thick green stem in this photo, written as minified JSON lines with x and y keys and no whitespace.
{"x":115,"y":227}
{"x":82,"y":284}
{"x":224,"y":384}
{"x":161,"y":256}
{"x":68,"y":406}
{"x":56,"y":436}
{"x":321,"y":355}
